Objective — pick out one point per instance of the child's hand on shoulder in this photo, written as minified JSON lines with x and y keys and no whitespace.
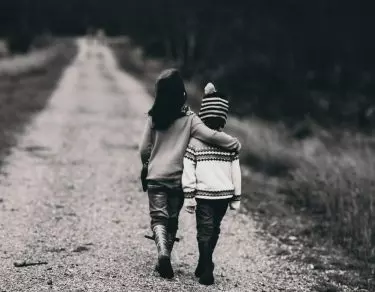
{"x":239,"y":146}
{"x":190,"y":205}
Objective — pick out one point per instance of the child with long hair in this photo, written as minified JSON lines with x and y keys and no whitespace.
{"x":168,"y":130}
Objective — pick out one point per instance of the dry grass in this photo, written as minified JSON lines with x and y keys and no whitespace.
{"x":339,"y":184}
{"x":318,"y":190}
{"x":332,"y":180}
{"x":21,"y":64}
{"x":26,"y":83}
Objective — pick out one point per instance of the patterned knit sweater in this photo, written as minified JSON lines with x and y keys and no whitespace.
{"x":210,"y":172}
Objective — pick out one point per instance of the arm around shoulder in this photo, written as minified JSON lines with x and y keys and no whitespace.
{"x":200,"y":131}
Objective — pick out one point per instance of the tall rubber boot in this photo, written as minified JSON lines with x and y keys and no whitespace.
{"x":171,"y":238}
{"x":164,"y":266}
{"x":207,"y":277}
{"x":214,"y":240}
{"x":200,"y":267}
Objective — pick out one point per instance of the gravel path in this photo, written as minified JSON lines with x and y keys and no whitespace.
{"x":70,"y":200}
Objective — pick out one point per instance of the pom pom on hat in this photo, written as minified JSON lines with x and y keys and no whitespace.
{"x":210,"y":88}
{"x":214,"y":104}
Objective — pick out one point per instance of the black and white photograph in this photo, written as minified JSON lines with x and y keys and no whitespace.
{"x":187,"y":146}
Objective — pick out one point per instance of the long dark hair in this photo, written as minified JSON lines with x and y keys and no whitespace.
{"x":170,"y":96}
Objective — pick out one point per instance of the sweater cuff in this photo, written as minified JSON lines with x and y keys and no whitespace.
{"x":236,"y":198}
{"x":190,"y":194}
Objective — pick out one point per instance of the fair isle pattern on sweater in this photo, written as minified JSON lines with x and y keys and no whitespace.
{"x":210,"y":154}
{"x":211,"y":173}
{"x":210,"y":194}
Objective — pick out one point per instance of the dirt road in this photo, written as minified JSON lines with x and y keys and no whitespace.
{"x":70,"y":201}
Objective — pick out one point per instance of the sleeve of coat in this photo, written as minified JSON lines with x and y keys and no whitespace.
{"x":189,"y":179}
{"x":145,"y":145}
{"x":236,"y":177}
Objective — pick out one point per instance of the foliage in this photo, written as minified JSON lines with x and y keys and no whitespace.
{"x":280,"y":60}
{"x":19,"y":42}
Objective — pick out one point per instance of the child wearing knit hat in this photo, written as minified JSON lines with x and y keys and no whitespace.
{"x":211,"y":182}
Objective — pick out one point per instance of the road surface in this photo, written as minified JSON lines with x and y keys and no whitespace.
{"x":70,"y":201}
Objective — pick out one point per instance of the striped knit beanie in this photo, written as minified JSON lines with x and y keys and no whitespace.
{"x":214,"y":104}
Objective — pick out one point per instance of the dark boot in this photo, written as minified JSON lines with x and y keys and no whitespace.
{"x":207,"y":277}
{"x":214,"y":240}
{"x":200,"y":267}
{"x":171,"y":236}
{"x":213,"y":244}
{"x":163,"y":266}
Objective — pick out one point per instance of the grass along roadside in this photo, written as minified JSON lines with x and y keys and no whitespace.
{"x":314,"y":194}
{"x":26,"y":83}
{"x":23,"y":63}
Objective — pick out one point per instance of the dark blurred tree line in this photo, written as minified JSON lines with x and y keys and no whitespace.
{"x":277,"y":59}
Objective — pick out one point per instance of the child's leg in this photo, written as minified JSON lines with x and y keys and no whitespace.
{"x":157,"y":199}
{"x":221,"y":207}
{"x":205,"y":220}
{"x":175,"y":203}
{"x":205,"y":227}
{"x":158,"y":204}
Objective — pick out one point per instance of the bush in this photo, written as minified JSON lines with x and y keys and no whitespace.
{"x":19,"y":42}
{"x":42,"y":41}
{"x":4,"y":51}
